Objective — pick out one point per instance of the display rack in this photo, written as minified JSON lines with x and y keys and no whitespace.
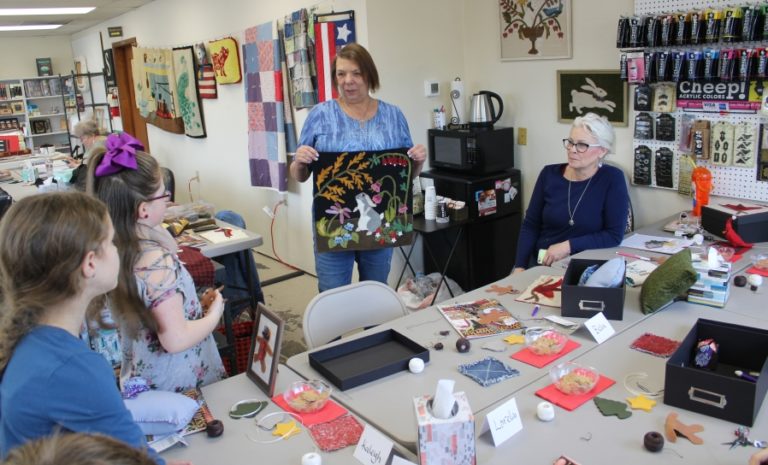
{"x":728,"y":181}
{"x":86,"y":103}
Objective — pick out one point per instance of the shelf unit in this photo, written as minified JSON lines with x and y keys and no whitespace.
{"x":12,"y":115}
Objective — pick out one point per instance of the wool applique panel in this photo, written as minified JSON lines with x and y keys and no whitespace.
{"x":332,"y":33}
{"x":299,"y":59}
{"x":190,"y":110}
{"x":546,"y":290}
{"x":362,"y":201}
{"x":155,"y":90}
{"x":206,"y":76}
{"x":226,"y":60}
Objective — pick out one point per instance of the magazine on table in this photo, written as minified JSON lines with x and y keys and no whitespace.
{"x":479,"y":318}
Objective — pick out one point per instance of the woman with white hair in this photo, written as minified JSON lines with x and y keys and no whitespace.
{"x":89,"y":133}
{"x":577,"y":205}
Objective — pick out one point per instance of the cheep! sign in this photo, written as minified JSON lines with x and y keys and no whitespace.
{"x":719,"y":96}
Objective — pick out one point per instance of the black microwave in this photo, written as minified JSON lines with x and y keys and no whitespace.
{"x":475,"y":150}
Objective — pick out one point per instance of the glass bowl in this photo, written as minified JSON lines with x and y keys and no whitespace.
{"x":573,"y":379}
{"x":545,"y":341}
{"x":760,"y":261}
{"x":307,"y":396}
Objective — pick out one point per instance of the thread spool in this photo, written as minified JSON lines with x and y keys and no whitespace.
{"x":430,"y":203}
{"x":545,"y":411}
{"x":311,"y":458}
{"x":458,"y":108}
{"x":653,"y":441}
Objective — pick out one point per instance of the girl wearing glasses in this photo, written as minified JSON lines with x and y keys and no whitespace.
{"x":577,"y":205}
{"x":165,"y":334}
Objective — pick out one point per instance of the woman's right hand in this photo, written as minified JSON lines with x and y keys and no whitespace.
{"x":306,"y":154}
{"x":518,"y":270}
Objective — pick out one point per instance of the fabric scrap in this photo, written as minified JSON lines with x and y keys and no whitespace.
{"x":655,"y":345}
{"x":488,"y":371}
{"x":337,"y":434}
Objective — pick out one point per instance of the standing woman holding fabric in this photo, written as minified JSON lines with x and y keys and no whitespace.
{"x":579,"y":205}
{"x":354,"y":122}
{"x":164,"y":332}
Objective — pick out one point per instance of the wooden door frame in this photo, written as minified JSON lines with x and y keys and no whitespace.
{"x":133,"y":123}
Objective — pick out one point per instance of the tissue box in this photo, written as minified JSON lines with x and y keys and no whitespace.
{"x":586,"y":302}
{"x":720,"y":393}
{"x":750,"y":225}
{"x":450,"y":440}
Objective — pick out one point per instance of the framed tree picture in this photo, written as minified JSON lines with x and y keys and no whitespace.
{"x":265,"y":349}
{"x":535,"y":29}
{"x":598,"y":91}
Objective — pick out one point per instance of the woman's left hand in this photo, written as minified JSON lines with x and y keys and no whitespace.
{"x":418,"y":153}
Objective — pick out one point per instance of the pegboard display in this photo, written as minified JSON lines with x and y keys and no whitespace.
{"x":654,"y":170}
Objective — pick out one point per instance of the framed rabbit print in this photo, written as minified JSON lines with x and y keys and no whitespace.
{"x":600,"y":91}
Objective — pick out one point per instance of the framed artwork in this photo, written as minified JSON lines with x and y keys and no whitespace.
{"x":185,"y":72}
{"x":41,"y":126}
{"x":362,"y":200}
{"x":265,"y":349}
{"x":535,"y":29}
{"x":44,"y":66}
{"x":109,"y":68}
{"x":601,"y":91}
{"x":81,"y":68}
{"x":17,"y":107}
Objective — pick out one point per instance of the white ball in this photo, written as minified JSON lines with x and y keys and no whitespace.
{"x":416,"y":365}
{"x":698,"y":239}
{"x":545,"y":411}
{"x":755,"y":280}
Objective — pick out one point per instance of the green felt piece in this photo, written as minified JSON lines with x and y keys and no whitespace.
{"x":610,"y":407}
{"x":670,"y":280}
{"x":247,"y":408}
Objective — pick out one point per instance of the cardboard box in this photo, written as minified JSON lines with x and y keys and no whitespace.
{"x":585,"y":302}
{"x":450,"y":440}
{"x":720,"y":393}
{"x":751,"y":225}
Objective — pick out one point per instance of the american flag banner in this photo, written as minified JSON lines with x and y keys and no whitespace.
{"x":332,"y":32}
{"x":206,"y":77}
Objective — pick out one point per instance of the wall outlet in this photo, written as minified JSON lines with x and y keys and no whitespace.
{"x":522,"y":136}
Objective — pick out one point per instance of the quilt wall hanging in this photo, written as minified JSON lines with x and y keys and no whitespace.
{"x":362,"y":201}
{"x":226,"y":60}
{"x":190,"y":110}
{"x":299,"y":59}
{"x":206,"y":77}
{"x":155,"y":88}
{"x":332,"y":32}
{"x":266,"y":113}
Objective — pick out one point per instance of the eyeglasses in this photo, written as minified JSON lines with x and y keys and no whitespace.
{"x":581,"y":147}
{"x":166,"y":195}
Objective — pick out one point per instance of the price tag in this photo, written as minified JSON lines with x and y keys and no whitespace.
{"x":373,"y":448}
{"x":503,"y":422}
{"x":600,"y":328}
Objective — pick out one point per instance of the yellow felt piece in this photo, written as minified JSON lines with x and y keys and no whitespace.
{"x":286,"y":430}
{"x":641,"y":402}
{"x":515,"y":339}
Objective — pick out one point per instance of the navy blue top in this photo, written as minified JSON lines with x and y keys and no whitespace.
{"x":54,"y":380}
{"x":599,"y":221}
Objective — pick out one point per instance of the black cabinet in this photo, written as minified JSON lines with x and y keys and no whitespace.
{"x":485,"y":251}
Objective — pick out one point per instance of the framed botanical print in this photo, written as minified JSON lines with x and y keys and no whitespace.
{"x":535,"y":29}
{"x":265,"y":349}
{"x":598,"y":91}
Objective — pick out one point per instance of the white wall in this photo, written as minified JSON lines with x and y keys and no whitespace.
{"x":19,"y":55}
{"x":530,"y":99}
{"x":221,"y":158}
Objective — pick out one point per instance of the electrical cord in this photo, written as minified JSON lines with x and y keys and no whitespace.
{"x":272,"y":237}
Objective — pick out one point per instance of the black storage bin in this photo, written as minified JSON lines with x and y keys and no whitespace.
{"x":720,"y":393}
{"x":752,"y":226}
{"x":584,"y":301}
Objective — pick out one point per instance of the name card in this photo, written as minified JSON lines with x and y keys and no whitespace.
{"x":503,"y":422}
{"x":600,"y":328}
{"x":373,"y":448}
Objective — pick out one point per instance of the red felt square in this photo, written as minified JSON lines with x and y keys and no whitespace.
{"x":337,"y":434}
{"x":569,"y":401}
{"x":655,"y":345}
{"x":526,"y":356}
{"x":330,"y":411}
{"x":757,"y":270}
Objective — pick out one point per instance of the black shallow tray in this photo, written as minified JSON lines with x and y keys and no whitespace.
{"x":366,"y":359}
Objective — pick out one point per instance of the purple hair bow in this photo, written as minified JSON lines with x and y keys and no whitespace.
{"x":120,"y":155}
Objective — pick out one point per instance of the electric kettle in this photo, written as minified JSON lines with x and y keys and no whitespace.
{"x":483,"y":112}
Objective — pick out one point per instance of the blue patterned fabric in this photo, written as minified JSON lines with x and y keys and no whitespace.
{"x":488,"y":371}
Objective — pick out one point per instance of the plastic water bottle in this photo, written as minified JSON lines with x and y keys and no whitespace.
{"x":430,"y":203}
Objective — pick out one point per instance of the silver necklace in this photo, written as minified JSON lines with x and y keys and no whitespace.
{"x":572,"y":213}
{"x":362,"y":119}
